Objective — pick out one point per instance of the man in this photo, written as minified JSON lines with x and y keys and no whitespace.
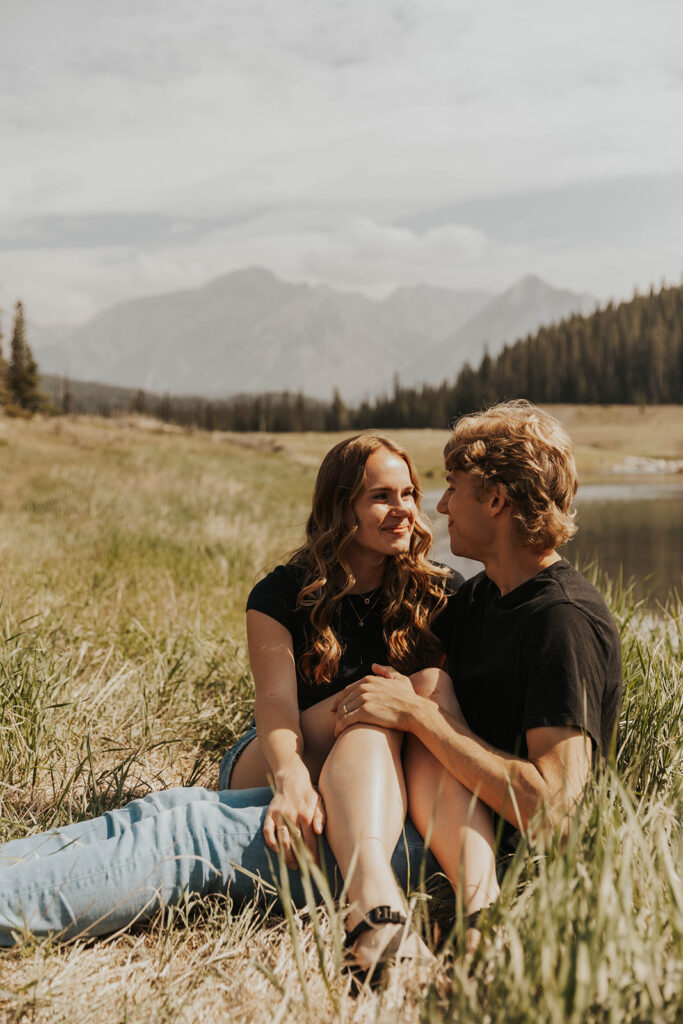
{"x":534,"y":653}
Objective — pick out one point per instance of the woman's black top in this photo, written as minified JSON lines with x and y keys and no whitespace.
{"x":276,"y":595}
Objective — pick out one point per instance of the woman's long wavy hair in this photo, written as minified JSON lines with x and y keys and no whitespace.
{"x":413,"y":586}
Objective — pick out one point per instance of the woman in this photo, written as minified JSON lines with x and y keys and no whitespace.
{"x":360,"y":591}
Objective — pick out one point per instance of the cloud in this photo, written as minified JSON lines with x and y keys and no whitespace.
{"x":130,"y":103}
{"x":144,"y":142}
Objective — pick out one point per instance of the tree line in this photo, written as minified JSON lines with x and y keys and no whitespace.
{"x":626,"y":354}
{"x":630,"y":353}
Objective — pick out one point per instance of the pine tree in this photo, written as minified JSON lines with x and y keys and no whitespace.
{"x":337,"y":416}
{"x":4,"y":391}
{"x":67,"y":396}
{"x":23,"y":369}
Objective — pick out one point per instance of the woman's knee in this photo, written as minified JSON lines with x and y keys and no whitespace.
{"x":359,"y":745}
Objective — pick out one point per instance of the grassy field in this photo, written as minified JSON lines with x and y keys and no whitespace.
{"x":127,"y":554}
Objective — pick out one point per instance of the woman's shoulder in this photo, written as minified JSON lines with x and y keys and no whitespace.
{"x":452,"y":579}
{"x":284,"y":581}
{"x":276,"y":595}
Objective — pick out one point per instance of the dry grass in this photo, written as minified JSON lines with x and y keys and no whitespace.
{"x":127,"y":554}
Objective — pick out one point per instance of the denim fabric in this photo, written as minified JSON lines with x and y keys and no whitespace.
{"x":97,"y":876}
{"x":229,"y":758}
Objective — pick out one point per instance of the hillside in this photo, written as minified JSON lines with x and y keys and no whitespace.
{"x":517,"y":312}
{"x":627,"y":354}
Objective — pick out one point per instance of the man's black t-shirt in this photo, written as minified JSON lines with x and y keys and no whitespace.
{"x":545,"y":654}
{"x":276,"y":595}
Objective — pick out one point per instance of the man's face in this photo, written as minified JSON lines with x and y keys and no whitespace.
{"x":469,"y":526}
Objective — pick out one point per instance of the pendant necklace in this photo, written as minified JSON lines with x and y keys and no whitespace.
{"x":369,"y":603}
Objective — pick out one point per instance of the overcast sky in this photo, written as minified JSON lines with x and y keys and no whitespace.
{"x":151,"y":145}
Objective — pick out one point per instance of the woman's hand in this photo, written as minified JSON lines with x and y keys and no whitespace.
{"x":296,"y":809}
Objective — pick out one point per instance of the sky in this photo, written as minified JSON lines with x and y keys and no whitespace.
{"x":151,"y":145}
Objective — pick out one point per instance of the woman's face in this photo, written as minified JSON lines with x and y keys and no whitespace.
{"x":385,"y":509}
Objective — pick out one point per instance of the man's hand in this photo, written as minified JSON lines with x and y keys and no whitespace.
{"x":385,"y":699}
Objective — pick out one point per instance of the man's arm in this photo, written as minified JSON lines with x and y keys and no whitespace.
{"x":550,"y":780}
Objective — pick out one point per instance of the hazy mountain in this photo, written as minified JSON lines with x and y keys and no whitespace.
{"x":167,"y":342}
{"x":413,"y":319}
{"x":249,"y":331}
{"x":528,"y":305}
{"x":311,"y":345}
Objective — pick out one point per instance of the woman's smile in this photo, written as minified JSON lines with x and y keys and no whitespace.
{"x":405,"y":527}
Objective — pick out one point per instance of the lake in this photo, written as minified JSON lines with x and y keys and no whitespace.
{"x":635,"y":528}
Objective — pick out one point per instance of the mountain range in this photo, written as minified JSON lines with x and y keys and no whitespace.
{"x":249,"y":331}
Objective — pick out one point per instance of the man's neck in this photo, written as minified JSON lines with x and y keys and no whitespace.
{"x":510,"y":568}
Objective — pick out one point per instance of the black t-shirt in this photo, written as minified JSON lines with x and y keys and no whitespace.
{"x":546,"y":654}
{"x":276,"y":595}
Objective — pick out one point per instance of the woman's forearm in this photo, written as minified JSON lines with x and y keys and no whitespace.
{"x":281,"y":739}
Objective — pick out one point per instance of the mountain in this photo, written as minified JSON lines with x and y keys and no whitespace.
{"x":312,"y":345}
{"x":175,"y":342}
{"x":413,"y":318}
{"x":530,"y":303}
{"x":248,"y":331}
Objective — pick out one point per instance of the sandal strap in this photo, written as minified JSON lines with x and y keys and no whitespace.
{"x":475,"y":919}
{"x":375,"y":917}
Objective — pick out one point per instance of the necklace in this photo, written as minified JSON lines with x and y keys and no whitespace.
{"x":369,"y":603}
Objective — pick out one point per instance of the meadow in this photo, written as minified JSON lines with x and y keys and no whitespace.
{"x":128,"y":551}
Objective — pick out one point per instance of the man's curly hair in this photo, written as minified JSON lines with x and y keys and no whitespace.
{"x":530,"y":453}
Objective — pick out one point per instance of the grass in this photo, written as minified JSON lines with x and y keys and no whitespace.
{"x":127,"y":555}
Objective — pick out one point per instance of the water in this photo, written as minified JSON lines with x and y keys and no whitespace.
{"x":634,"y":528}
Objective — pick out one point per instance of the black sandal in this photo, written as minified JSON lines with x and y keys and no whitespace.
{"x":360,"y":976}
{"x":449,"y":931}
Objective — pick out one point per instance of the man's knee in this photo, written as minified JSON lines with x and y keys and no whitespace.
{"x":426,"y":682}
{"x":436,"y":685}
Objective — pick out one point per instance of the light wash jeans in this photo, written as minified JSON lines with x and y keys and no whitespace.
{"x":97,"y":876}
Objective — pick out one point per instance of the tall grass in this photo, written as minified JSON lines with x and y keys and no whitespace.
{"x":126,"y":559}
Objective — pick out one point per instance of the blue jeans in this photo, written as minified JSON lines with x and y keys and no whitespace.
{"x":97,"y":876}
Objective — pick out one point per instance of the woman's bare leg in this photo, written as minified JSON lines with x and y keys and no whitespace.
{"x":365,"y":801}
{"x":317,"y":726}
{"x":251,"y":768}
{"x":459,"y":827}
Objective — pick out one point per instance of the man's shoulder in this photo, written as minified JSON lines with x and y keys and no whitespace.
{"x":475,"y":591}
{"x":566,"y":604}
{"x":559,"y":589}
{"x":562,"y":583}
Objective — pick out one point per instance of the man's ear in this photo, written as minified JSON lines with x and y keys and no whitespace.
{"x":497,"y":499}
